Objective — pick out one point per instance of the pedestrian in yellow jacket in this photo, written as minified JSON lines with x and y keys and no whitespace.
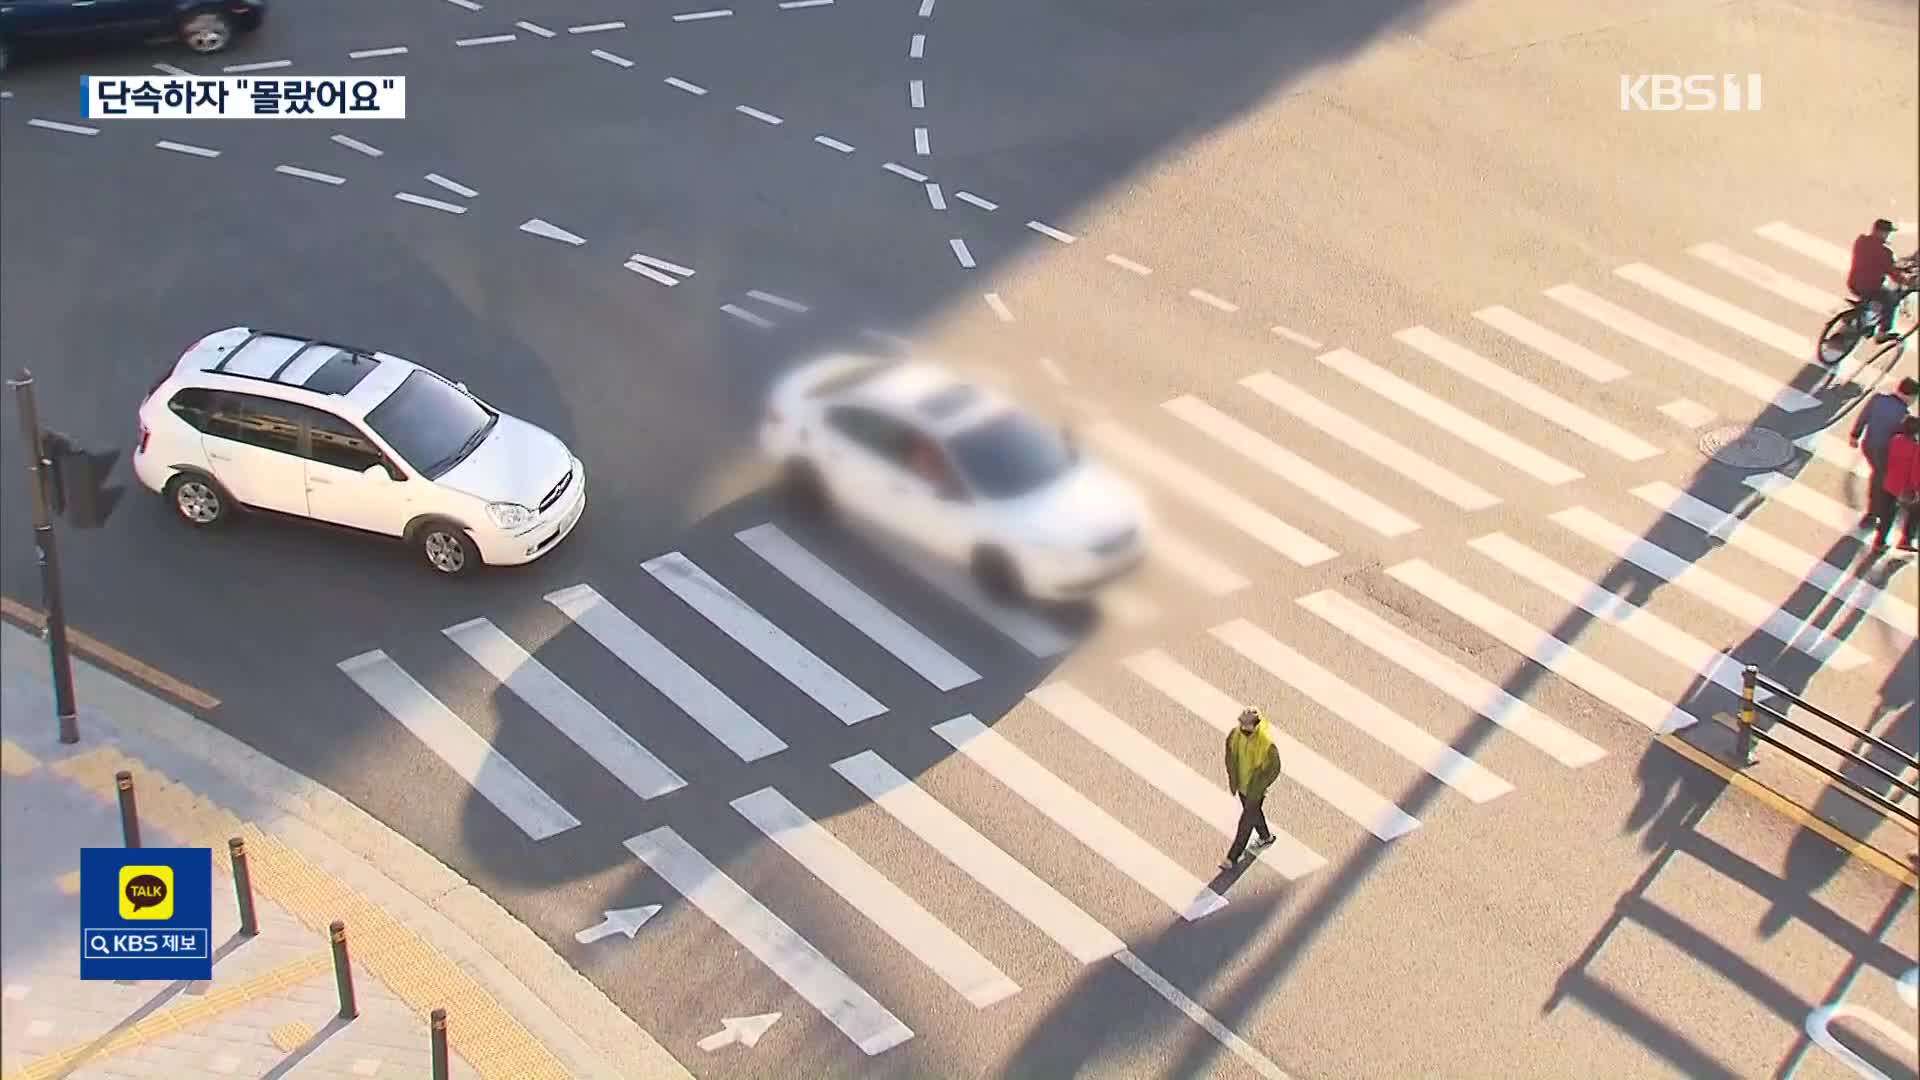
{"x":1253,"y":764}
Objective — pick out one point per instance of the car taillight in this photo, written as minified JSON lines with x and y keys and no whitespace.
{"x":144,"y":435}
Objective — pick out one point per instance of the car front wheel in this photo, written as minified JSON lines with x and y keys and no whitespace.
{"x":804,"y":489}
{"x":206,"y":32}
{"x":197,"y":500}
{"x":447,"y":548}
{"x":998,"y":576}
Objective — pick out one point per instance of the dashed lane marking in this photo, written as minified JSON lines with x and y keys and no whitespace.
{"x":468,"y":4}
{"x":692,"y":16}
{"x":746,"y":316}
{"x":1129,"y":265}
{"x":309,"y":174}
{"x":461,"y":190}
{"x":595,"y":28}
{"x":902,"y":170}
{"x":792,"y":4}
{"x":431,"y":204}
{"x":55,"y":125}
{"x":169,"y":69}
{"x":917,"y":93}
{"x":491,"y":39}
{"x":650,"y":273}
{"x":267,"y":65}
{"x":356,"y":145}
{"x":1297,"y":338}
{"x":934,"y":198}
{"x":763,"y":117}
{"x":682,"y":84}
{"x":369,"y":54}
{"x":1213,"y":301}
{"x":918,"y":48}
{"x":662,"y":264}
{"x":975,"y":200}
{"x":1049,"y":231}
{"x":833,"y":144}
{"x":920,"y":143}
{"x":535,"y":29}
{"x":961,"y":253}
{"x":537,"y":227}
{"x":926,"y":9}
{"x":186,"y":148}
{"x":999,"y":307}
{"x":779,"y":301}
{"x":613,"y":58}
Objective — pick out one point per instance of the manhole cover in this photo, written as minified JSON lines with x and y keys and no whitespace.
{"x":1747,"y":447}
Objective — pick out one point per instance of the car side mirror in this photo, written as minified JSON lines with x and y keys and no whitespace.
{"x":378,"y":472}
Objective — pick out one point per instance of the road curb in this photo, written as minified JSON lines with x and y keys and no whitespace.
{"x":554,"y":1001}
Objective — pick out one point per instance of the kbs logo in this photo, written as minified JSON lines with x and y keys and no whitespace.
{"x":1690,"y":93}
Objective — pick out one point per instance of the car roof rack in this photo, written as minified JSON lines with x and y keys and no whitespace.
{"x":306,"y":343}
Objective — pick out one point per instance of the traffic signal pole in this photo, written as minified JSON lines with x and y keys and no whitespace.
{"x":47,"y":553}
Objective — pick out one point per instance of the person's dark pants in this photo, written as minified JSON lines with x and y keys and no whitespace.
{"x":1887,"y":297}
{"x":1252,"y":820}
{"x":1885,"y":509}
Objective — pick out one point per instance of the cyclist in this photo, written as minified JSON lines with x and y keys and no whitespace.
{"x":1873,"y":267}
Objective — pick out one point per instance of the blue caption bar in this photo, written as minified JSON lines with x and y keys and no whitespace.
{"x":193,"y":943}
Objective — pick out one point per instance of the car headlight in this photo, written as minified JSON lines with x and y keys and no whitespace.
{"x":509,"y":515}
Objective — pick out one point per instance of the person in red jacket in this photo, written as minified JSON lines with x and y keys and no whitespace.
{"x":1873,"y":267}
{"x":1901,"y":487}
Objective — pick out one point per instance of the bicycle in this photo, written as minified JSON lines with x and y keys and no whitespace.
{"x":1847,"y":329}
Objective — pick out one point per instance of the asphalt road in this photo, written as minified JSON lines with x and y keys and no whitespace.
{"x":1155,"y":204}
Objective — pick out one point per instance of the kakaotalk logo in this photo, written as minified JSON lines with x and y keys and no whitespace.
{"x":146,"y":892}
{"x":1690,"y":93}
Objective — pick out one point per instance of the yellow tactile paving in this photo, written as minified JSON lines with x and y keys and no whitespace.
{"x":15,"y":761}
{"x":289,"y":1037}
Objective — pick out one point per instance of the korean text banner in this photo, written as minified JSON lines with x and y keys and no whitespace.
{"x":243,"y":97}
{"x":146,"y":913}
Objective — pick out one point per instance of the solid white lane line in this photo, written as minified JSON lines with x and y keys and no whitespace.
{"x":357,"y":146}
{"x":1129,"y":265}
{"x":733,"y":617}
{"x":1542,"y":403}
{"x":833,"y":144}
{"x":1603,"y":683}
{"x":468,"y":4}
{"x":961,"y":253}
{"x":1366,"y":715}
{"x":747,"y":317}
{"x":1359,"y":438}
{"x":1290,"y":467}
{"x":492,"y":776}
{"x":1208,"y":494}
{"x":183,"y":73}
{"x":55,"y":125}
{"x":681,"y":84}
{"x":187,"y":148}
{"x":1023,"y":626}
{"x":694,"y":16}
{"x":703,"y":702}
{"x":778,"y":301}
{"x":901,"y":170}
{"x":461,"y":190}
{"x":1213,"y":301}
{"x":1204,"y":799}
{"x":1834,"y":256}
{"x":1755,"y":272}
{"x":1710,"y":587}
{"x":999,"y":306}
{"x":649,"y":273}
{"x":369,"y":54}
{"x":595,"y":28}
{"x":920,"y":145}
{"x":926,"y":9}
{"x":1853,"y":590}
{"x":1242,"y":1049}
{"x":1325,"y":780}
{"x":572,"y":715}
{"x":662,"y":264}
{"x":1296,"y":337}
{"x":1469,"y":429}
{"x":869,"y":892}
{"x":1570,"y":354}
{"x":979,"y":858}
{"x":535,"y":29}
{"x":788,"y":955}
{"x":550,"y":231}
{"x":1086,"y":822}
{"x":1831,"y":447}
{"x":918,"y":47}
{"x":974,"y":200}
{"x":1049,"y":231}
{"x":757,"y":114}
{"x":1712,"y":307}
{"x":431,"y":204}
{"x":1685,"y":350}
{"x":1700,"y":659}
{"x":612,"y":58}
{"x":309,"y":174}
{"x":1831,"y":513}
{"x":1190,"y":561}
{"x":854,"y":604}
{"x":236,"y":69}
{"x":917,"y":93}
{"x":934,"y":198}
{"x":1450,"y":678}
{"x":491,"y":39}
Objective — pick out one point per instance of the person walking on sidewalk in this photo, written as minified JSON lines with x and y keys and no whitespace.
{"x":1253,"y":764}
{"x":1899,"y":493}
{"x":1871,"y":433}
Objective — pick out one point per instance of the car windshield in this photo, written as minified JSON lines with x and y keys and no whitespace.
{"x":431,"y":424}
{"x":1011,"y":455}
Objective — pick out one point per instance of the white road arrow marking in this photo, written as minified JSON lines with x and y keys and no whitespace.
{"x":745,"y":1030}
{"x":619,"y":921}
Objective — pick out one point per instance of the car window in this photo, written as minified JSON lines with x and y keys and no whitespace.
{"x":430,"y":423}
{"x":884,"y":437}
{"x":1011,"y":455}
{"x":192,"y":405}
{"x":332,"y":440}
{"x":256,"y":421}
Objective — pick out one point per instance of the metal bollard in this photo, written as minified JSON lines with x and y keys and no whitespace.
{"x":439,"y":1030}
{"x":342,"y":974}
{"x":243,"y":886}
{"x":129,"y":813}
{"x":1744,"y":747}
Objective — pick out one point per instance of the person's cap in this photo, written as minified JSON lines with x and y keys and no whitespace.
{"x":1250,"y":713}
{"x":1883,"y":225}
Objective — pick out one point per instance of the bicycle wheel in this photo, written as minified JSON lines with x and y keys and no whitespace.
{"x":1840,"y":337}
{"x":1885,"y":357}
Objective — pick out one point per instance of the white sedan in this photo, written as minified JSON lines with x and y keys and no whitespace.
{"x":956,"y":470}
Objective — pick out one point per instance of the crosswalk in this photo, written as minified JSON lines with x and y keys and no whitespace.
{"x":1372,"y":690}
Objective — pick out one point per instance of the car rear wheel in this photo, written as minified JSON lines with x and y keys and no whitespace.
{"x":804,"y":489}
{"x":197,"y":499}
{"x":206,"y":31}
{"x":447,"y":548}
{"x":998,"y":576}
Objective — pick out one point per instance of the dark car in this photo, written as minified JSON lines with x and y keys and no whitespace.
{"x":205,"y":26}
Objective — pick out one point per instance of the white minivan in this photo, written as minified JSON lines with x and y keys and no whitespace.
{"x":278,"y":423}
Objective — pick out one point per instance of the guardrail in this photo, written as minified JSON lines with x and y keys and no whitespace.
{"x":1750,"y":735}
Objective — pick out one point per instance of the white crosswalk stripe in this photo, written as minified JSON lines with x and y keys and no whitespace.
{"x":1100,"y":831}
{"x":1450,"y":678}
{"x":1685,"y":350}
{"x":490,"y":774}
{"x":1851,"y":589}
{"x":1704,"y":584}
{"x":944,"y":952}
{"x":1290,"y":467}
{"x":793,"y":661}
{"x":862,"y":611}
{"x":1028,"y":629}
{"x":1541,"y":403}
{"x":1325,"y":780}
{"x":1835,"y":515}
{"x":1190,"y":561}
{"x":679,"y":683}
{"x":1366,"y":715}
{"x":818,"y":980}
{"x":1204,"y":799}
{"x":572,"y":715}
{"x":1543,"y":648}
{"x":1832,"y":255}
{"x":979,"y":858}
{"x":1569,"y":353}
{"x":1476,"y":433}
{"x":1735,"y":318}
{"x":1359,"y":438}
{"x":1831,"y":447}
{"x":1755,"y":272}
